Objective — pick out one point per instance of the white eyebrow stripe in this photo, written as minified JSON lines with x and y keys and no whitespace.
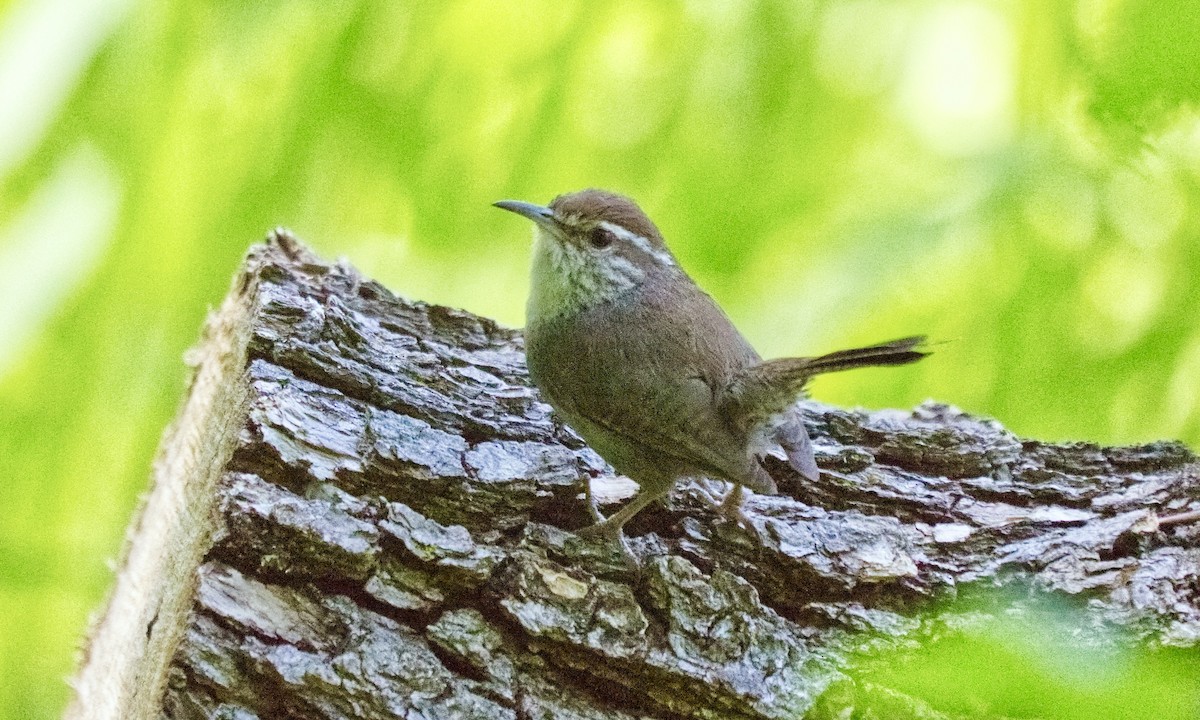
{"x":660,"y":256}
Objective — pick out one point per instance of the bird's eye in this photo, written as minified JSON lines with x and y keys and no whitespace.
{"x":601,"y":238}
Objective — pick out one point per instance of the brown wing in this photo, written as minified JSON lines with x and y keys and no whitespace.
{"x":647,"y":373}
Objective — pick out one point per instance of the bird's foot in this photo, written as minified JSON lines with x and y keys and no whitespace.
{"x":610,"y":531}
{"x":733,"y":510}
{"x":601,"y":529}
{"x":610,"y":528}
{"x":728,"y":503}
{"x":714,"y":491}
{"x":593,"y":507}
{"x":731,"y":507}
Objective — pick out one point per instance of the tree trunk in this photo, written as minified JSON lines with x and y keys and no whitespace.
{"x":364,"y":511}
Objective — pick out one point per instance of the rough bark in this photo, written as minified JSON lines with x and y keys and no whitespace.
{"x":373,"y":515}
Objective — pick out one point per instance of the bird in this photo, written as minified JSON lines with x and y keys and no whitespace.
{"x":648,"y":369}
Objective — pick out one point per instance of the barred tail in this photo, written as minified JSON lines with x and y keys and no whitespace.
{"x":896,"y":352}
{"x":762,"y":390}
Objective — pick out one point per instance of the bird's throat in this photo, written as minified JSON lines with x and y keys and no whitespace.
{"x":565,"y":280}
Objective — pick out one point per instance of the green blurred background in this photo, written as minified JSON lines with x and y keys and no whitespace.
{"x":1021,"y":177}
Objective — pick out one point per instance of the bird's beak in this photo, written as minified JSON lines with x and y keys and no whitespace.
{"x":543,"y":216}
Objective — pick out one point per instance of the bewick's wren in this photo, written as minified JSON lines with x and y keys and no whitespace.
{"x":647,"y":368}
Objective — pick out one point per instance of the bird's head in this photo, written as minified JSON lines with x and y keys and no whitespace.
{"x":590,"y":247}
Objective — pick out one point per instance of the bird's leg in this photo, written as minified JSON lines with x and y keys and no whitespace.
{"x":731,"y":508}
{"x":592,"y":506}
{"x":712,"y":490}
{"x":610,"y":527}
{"x":729,"y":503}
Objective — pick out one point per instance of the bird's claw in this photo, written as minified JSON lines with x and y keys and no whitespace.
{"x":605,"y":530}
{"x":593,"y":507}
{"x":733,"y":510}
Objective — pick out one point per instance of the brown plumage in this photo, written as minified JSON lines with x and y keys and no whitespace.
{"x":647,"y":368}
{"x":594,"y":204}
